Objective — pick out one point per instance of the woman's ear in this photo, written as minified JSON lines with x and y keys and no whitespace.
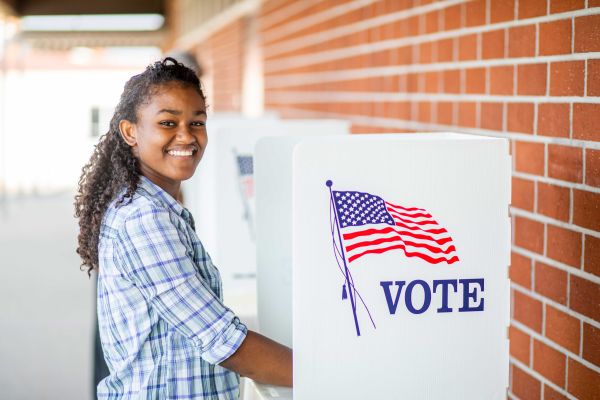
{"x":128,"y":132}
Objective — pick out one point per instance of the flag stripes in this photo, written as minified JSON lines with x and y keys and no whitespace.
{"x":370,"y":225}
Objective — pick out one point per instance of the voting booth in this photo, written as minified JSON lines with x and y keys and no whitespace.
{"x":221,"y":195}
{"x":383,"y":261}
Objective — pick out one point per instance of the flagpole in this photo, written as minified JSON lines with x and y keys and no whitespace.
{"x":350,"y":288}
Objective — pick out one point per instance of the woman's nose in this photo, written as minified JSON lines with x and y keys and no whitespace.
{"x":185,"y":134}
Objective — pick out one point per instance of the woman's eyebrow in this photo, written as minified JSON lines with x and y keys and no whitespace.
{"x":174,"y":112}
{"x":178,"y":112}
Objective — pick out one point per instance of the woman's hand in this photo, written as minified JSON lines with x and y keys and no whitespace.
{"x":262,"y":359}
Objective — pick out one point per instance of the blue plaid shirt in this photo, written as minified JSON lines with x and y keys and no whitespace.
{"x":163,"y":325}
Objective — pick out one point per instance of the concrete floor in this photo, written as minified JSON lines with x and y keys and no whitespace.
{"x":46,"y":302}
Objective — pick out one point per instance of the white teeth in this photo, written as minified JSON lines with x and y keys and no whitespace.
{"x":181,"y":153}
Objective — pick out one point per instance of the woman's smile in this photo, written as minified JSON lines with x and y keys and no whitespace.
{"x":182,"y":153}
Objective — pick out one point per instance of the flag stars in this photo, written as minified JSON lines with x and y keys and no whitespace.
{"x":355,"y":208}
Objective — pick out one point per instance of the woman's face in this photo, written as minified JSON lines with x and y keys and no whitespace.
{"x":170,"y":136}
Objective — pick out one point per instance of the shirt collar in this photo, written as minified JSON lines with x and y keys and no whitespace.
{"x":164,"y":198}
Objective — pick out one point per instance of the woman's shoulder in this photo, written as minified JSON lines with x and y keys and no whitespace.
{"x":121,"y":210}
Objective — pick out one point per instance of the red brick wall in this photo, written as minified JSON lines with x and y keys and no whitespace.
{"x":526,"y":70}
{"x":221,"y":58}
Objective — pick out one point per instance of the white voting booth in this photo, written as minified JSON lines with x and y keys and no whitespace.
{"x":399,"y":247}
{"x":220,"y":195}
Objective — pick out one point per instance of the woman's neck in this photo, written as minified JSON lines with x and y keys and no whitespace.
{"x":172,"y":187}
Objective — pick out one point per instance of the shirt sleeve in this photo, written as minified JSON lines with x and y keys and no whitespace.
{"x":157,"y":262}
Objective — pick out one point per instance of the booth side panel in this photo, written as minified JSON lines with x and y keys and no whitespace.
{"x":389,"y":329}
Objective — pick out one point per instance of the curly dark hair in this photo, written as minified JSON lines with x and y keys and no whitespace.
{"x":112,"y":166}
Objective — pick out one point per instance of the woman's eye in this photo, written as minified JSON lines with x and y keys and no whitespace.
{"x":198,"y":123}
{"x":167,"y":123}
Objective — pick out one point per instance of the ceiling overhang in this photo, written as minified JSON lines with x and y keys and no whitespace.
{"x":83,"y":7}
{"x":68,"y":40}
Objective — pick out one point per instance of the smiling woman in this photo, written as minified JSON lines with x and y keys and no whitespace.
{"x":114,"y":170}
{"x":170,"y":136}
{"x":164,"y":329}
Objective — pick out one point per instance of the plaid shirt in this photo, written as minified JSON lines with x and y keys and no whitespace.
{"x":163,"y":325}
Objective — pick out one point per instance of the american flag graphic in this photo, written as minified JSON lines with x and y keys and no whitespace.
{"x":246,"y":175}
{"x":362,"y":224}
{"x":371,"y":225}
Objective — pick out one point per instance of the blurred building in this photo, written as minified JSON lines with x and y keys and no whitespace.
{"x":60,"y":79}
{"x":66,"y":73}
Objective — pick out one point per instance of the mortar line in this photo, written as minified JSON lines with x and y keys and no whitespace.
{"x":553,"y":181}
{"x":272,"y":35}
{"x":553,"y":263}
{"x":284,"y":96}
{"x":531,"y":352}
{"x":553,"y":345}
{"x":404,"y":124}
{"x":541,"y":378}
{"x":571,"y":121}
{"x":316,"y":38}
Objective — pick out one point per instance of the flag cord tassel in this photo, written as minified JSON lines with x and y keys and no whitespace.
{"x":344,"y":294}
{"x":346,"y":272}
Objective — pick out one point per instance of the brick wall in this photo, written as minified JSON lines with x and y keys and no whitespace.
{"x":524,"y":70}
{"x":221,"y":58}
{"x":528,"y":71}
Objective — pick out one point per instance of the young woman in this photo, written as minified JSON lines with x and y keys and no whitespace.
{"x":165,"y":331}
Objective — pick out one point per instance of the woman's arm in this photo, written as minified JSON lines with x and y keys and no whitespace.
{"x":158,"y":263}
{"x":261,"y":359}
